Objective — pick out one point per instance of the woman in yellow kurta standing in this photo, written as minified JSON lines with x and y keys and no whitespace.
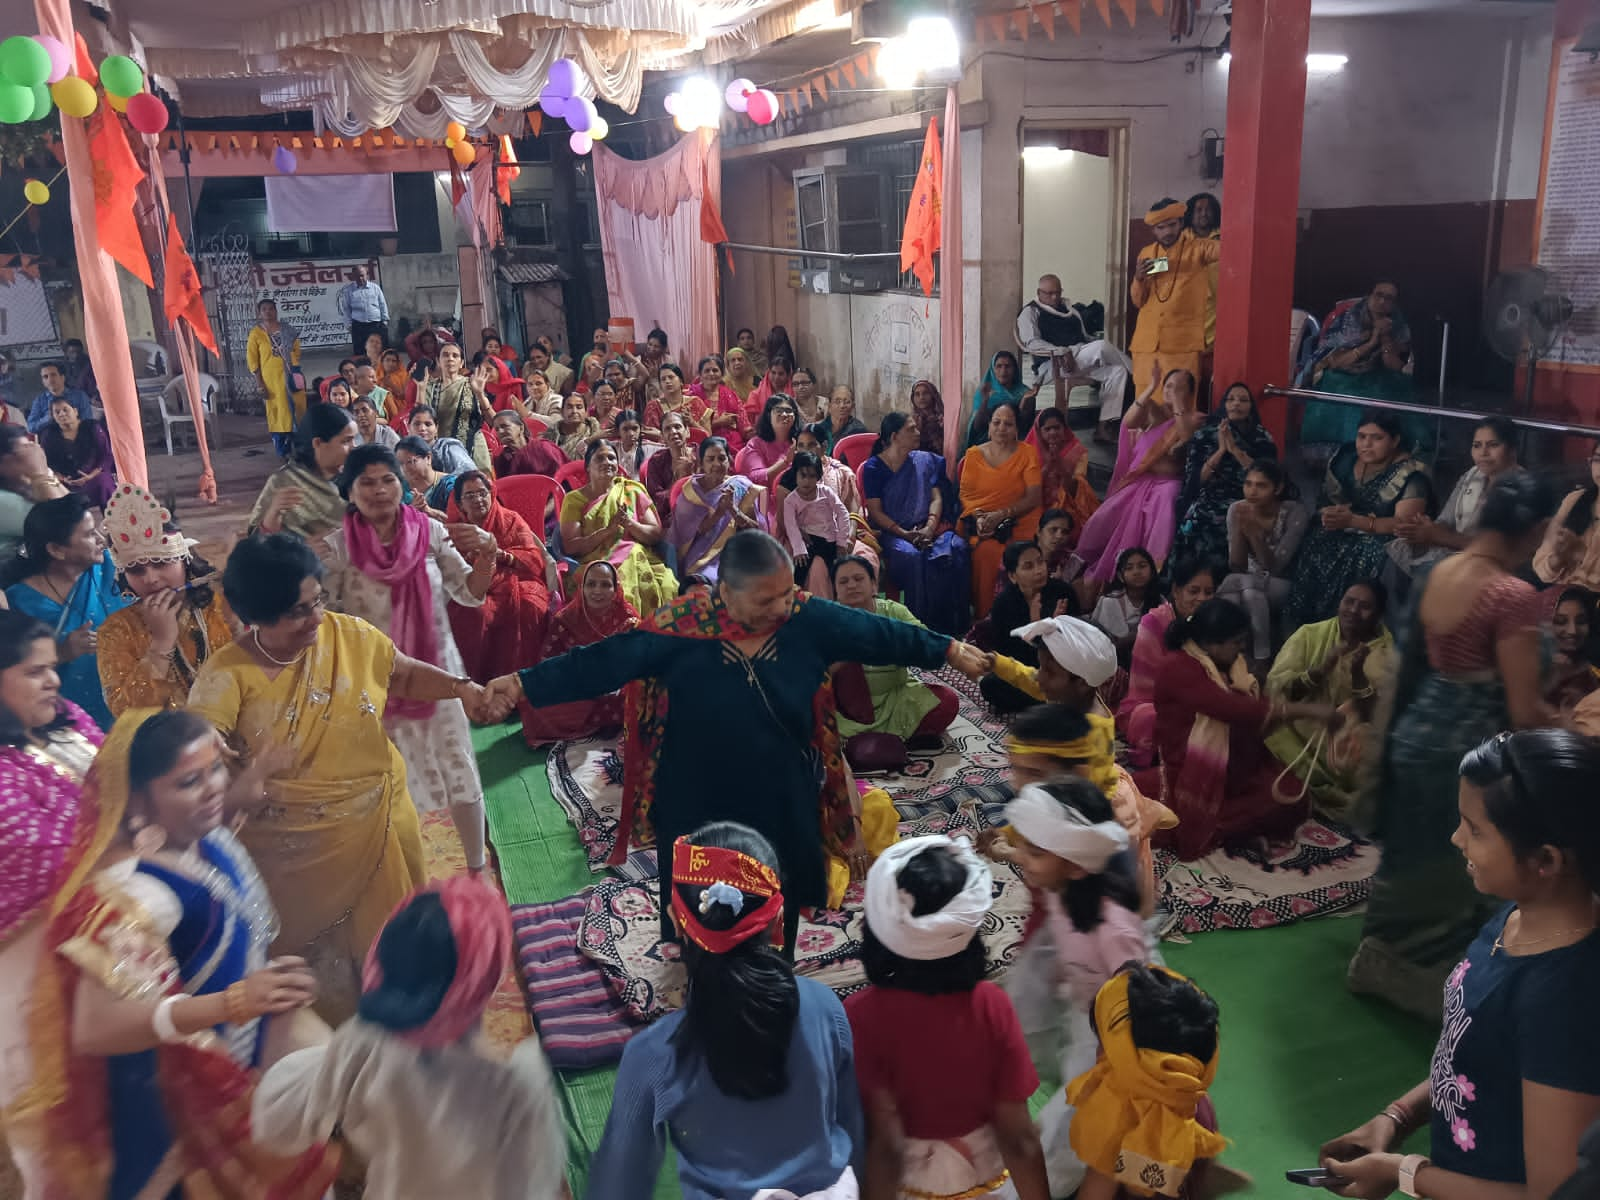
{"x":1001,"y":491}
{"x":337,"y":838}
{"x":273,"y":355}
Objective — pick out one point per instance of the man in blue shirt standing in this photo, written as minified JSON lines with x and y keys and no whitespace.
{"x":362,"y":304}
{"x":54,"y":377}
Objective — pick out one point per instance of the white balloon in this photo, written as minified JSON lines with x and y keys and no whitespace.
{"x":738,"y":94}
{"x":580,"y":142}
{"x":599,"y":129}
{"x":670,"y":102}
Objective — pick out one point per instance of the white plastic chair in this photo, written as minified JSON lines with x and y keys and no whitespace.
{"x":176,"y":394}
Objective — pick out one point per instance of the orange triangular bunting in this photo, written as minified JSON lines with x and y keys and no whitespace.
{"x":849,"y":70}
{"x":1104,"y":7}
{"x":536,"y":121}
{"x":1159,"y":7}
{"x":1046,"y":15}
{"x":1071,"y":12}
{"x":864,"y":64}
{"x":1130,"y":9}
{"x":821,"y":85}
{"x":1022,"y":22}
{"x":833,"y":79}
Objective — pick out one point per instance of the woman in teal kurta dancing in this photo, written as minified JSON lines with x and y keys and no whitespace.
{"x":747,"y":672}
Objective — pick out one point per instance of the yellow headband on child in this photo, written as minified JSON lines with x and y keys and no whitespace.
{"x":1096,"y":748}
{"x":1134,"y":1111}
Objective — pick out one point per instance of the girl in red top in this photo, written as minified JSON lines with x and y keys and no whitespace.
{"x":955,"y":1123}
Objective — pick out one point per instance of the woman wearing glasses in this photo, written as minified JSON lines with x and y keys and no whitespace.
{"x":336,"y":837}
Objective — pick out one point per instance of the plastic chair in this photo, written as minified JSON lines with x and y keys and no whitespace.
{"x":677,"y":490}
{"x":176,"y":394}
{"x":529,"y":496}
{"x":149,"y":360}
{"x":573,"y":475}
{"x":697,"y":435}
{"x":855,"y":449}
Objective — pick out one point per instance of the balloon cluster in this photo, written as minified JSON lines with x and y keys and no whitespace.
{"x":559,"y":98}
{"x":697,"y":104}
{"x":38,"y":74}
{"x":455,"y":141}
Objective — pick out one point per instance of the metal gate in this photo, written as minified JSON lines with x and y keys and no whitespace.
{"x":228,"y":272}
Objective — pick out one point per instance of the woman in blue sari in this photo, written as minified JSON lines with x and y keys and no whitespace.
{"x":1220,"y":452}
{"x":65,"y":578}
{"x":1371,"y":488}
{"x":713,"y":506}
{"x":159,"y":999}
{"x":1002,"y":384}
{"x":911,"y":504}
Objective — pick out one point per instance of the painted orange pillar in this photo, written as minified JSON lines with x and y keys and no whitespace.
{"x":1261,"y":193}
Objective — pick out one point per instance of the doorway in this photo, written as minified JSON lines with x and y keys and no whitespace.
{"x":1074,"y":183}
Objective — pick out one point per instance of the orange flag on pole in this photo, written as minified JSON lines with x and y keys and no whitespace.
{"x":181,"y":289}
{"x":711,"y":227}
{"x":116,"y":182}
{"x":922,"y":232}
{"x":508,"y":169}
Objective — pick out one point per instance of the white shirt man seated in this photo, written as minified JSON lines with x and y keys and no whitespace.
{"x":1053,"y":332}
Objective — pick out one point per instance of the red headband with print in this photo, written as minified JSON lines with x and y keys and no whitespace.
{"x":728,"y":877}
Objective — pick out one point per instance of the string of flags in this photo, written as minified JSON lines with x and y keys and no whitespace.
{"x":999,"y":26}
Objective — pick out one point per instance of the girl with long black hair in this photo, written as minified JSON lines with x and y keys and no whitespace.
{"x":753,"y":1080}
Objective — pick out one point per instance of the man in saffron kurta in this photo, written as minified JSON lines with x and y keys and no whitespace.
{"x":1171,"y":288}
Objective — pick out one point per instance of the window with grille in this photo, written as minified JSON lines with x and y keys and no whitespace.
{"x":860,"y":207}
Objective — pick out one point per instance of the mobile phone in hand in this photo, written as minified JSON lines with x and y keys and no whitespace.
{"x":1314,"y":1177}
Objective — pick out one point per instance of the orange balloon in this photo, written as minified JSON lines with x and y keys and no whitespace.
{"x":455,"y":131}
{"x":465,"y":153}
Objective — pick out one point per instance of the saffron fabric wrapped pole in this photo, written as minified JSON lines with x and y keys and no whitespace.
{"x":659,"y":270}
{"x":105,"y":329}
{"x":952,"y":269}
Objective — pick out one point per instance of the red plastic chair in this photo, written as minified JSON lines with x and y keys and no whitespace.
{"x":573,"y":475}
{"x":855,"y":449}
{"x":677,"y":490}
{"x":529,"y":496}
{"x":697,"y":435}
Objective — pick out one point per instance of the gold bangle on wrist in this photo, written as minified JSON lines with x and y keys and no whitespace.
{"x":236,"y":1004}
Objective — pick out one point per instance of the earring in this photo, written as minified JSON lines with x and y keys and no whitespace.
{"x":148,"y":840}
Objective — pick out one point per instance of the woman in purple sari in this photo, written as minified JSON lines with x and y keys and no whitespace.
{"x":712,"y":507}
{"x":910,"y":503}
{"x":1140,"y":507}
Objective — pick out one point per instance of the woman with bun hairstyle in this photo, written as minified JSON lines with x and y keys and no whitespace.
{"x":410,"y":1080}
{"x":753,"y":1080}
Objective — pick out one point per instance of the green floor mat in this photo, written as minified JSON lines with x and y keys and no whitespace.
{"x":1302,"y":1059}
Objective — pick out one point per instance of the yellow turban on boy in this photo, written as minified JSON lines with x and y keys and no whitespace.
{"x":1135,"y":1109}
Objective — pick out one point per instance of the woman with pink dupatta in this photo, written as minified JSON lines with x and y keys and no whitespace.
{"x":724,"y":407}
{"x":1140,"y":508}
{"x":398,"y":570}
{"x":1193,"y":583}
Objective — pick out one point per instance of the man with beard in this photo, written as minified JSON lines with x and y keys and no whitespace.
{"x":1171,"y":288}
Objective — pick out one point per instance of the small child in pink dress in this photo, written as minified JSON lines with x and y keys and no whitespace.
{"x":817,"y":525}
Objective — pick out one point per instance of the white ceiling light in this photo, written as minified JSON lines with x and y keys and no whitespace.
{"x":1046,"y":156}
{"x":1316,"y":64}
{"x":928,"y":51}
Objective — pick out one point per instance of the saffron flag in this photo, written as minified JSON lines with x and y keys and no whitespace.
{"x":507,"y":171}
{"x":922,"y":232}
{"x":711,"y":227}
{"x":181,"y":290}
{"x":116,"y":183}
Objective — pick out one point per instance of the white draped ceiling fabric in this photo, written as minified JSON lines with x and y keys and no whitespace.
{"x":658,"y":270}
{"x":416,"y":65}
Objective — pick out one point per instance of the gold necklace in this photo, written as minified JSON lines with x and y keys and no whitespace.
{"x":1500,"y":944}
{"x":255,"y":636}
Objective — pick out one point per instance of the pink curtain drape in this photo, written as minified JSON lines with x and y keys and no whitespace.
{"x":105,"y":329}
{"x":951,"y":282}
{"x":658,"y":271}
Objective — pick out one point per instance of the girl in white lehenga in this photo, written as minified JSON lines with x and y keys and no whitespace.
{"x":396,"y":568}
{"x":956,"y":1123}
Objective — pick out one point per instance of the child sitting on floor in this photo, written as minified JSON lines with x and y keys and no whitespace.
{"x":1029,"y":595}
{"x":1142,"y":1120}
{"x":817,"y":524}
{"x":956,"y":1122}
{"x":1072,"y":853}
{"x":410,"y":1081}
{"x":752,"y":1080}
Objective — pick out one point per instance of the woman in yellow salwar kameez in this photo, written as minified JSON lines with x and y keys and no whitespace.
{"x":612,"y":517}
{"x":273,"y":355}
{"x":337,"y":838}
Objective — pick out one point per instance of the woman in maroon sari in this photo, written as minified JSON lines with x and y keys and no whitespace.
{"x":598,"y":610}
{"x":511,"y":624}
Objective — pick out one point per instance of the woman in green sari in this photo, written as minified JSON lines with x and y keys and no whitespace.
{"x":300,"y":496}
{"x":1347,"y":660}
{"x":611,"y":517}
{"x":1372,"y":487}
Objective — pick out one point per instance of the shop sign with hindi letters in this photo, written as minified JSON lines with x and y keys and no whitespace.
{"x":307,"y":294}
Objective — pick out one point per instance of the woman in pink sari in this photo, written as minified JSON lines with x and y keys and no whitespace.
{"x":770,"y":453}
{"x":725,"y":409}
{"x":712,"y":507}
{"x":1140,"y":508}
{"x":1193,"y":583}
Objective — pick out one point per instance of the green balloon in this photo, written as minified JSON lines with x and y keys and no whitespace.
{"x":24,"y":62}
{"x":42,"y":104}
{"x":16,"y":104}
{"x":121,"y":76}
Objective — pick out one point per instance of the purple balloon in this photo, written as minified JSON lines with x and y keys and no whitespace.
{"x":284,"y":160}
{"x":553,"y":102}
{"x":60,"y":57}
{"x":564,"y":77}
{"x":581,"y":113}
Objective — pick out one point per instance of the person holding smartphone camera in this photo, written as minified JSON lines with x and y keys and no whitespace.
{"x":1171,"y":288}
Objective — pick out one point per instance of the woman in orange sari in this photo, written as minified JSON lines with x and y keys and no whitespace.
{"x":1064,"y":469}
{"x":510,"y":625}
{"x":1000,"y":495}
{"x":599,"y":610}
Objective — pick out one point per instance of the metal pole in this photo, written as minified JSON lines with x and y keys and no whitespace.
{"x":830,"y":255}
{"x":1455,"y":414}
{"x":188,"y":190}
{"x":1444,"y":357}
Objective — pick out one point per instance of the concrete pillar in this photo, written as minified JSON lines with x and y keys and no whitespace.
{"x":1261,"y":180}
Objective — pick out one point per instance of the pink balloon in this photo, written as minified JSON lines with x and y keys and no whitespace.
{"x":738,"y":94}
{"x":60,"y":57}
{"x":670,"y":103}
{"x":762,"y":107}
{"x":580,"y":142}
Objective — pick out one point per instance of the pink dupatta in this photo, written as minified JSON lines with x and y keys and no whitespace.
{"x":403,"y":566}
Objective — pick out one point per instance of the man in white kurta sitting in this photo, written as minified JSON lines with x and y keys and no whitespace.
{"x":1052,"y":330}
